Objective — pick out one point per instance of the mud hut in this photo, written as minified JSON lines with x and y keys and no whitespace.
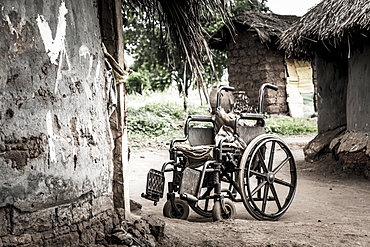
{"x":336,"y":34}
{"x":254,"y":58}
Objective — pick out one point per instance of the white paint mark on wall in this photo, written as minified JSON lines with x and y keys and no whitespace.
{"x":84,"y":51}
{"x":53,"y":46}
{"x":97,"y":72}
{"x":10,"y":25}
{"x":63,"y":55}
{"x":49,"y":127}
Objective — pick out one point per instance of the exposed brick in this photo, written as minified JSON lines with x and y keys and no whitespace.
{"x":64,"y":216}
{"x":270,"y":101}
{"x":10,"y":240}
{"x":38,"y":221}
{"x":71,"y":239}
{"x":48,"y":234}
{"x":74,"y":228}
{"x":87,"y":236}
{"x":62,"y":230}
{"x":81,"y":211}
{"x":25,"y":239}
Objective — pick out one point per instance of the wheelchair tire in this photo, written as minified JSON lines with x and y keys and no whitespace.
{"x":219,"y":214}
{"x":170,"y":212}
{"x":267,"y":177}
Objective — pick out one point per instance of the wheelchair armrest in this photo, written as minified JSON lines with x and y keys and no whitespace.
{"x":172,"y":144}
{"x":251,"y":116}
{"x":200,"y":118}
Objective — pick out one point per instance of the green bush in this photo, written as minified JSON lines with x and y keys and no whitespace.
{"x":290,"y":126}
{"x":137,"y":83}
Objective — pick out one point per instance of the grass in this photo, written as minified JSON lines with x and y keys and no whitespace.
{"x":291,"y":126}
{"x":156,"y":119}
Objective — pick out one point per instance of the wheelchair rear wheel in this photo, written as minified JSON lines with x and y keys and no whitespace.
{"x":267,"y":177}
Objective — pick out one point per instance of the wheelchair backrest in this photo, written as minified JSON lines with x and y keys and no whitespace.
{"x":248,"y":133}
{"x":201,"y":136}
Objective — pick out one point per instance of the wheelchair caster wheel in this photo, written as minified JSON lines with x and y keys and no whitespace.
{"x":220,"y":213}
{"x":183,"y":209}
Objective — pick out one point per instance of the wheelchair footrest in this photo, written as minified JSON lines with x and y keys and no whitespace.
{"x":154,"y":185}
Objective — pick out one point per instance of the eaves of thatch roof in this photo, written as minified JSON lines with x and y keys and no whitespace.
{"x":268,"y":27}
{"x":329,"y":24}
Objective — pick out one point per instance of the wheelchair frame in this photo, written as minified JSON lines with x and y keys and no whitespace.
{"x":263,"y":175}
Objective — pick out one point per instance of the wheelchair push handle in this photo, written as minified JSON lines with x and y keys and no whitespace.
{"x":261,"y":95}
{"x":219,"y":93}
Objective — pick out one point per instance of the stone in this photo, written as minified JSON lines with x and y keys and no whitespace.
{"x":63,"y":215}
{"x":4,"y":223}
{"x":25,"y":239}
{"x":122,"y":237}
{"x":156,"y":226}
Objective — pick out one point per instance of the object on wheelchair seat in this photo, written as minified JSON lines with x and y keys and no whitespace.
{"x":196,"y":156}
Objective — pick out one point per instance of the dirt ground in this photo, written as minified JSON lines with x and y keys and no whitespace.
{"x":329,"y":209}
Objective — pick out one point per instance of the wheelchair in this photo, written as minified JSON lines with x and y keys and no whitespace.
{"x":226,"y":161}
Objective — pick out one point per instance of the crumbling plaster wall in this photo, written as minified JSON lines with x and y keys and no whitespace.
{"x":251,"y":63}
{"x":55,"y":145}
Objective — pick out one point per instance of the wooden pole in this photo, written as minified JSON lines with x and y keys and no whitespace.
{"x":122,"y":105}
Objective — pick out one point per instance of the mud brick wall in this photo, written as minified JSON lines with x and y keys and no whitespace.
{"x":251,"y":64}
{"x":84,"y":222}
{"x":55,"y":140}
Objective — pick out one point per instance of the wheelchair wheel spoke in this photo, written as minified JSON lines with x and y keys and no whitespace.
{"x":273,"y":190}
{"x":258,"y":188}
{"x":282,"y":164}
{"x":272,"y":154}
{"x":265,"y":195}
{"x":282,"y":182}
{"x":258,"y":174}
{"x":262,"y":160}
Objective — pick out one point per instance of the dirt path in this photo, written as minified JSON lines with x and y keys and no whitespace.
{"x":327,"y":210}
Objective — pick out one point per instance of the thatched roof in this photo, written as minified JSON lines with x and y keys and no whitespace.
{"x":268,"y":27}
{"x":329,"y":25}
